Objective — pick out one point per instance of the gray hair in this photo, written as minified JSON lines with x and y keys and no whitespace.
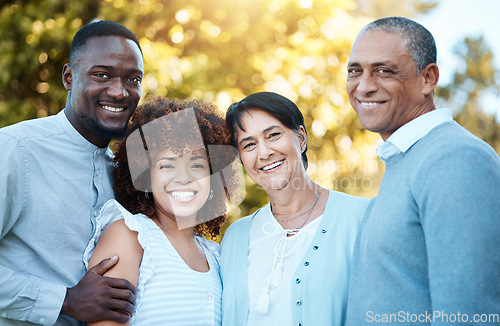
{"x":420,"y":43}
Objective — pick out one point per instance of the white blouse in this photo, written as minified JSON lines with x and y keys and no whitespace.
{"x":169,"y":292}
{"x":273,"y":258}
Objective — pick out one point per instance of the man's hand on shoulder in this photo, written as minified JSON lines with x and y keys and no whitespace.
{"x":98,"y":297}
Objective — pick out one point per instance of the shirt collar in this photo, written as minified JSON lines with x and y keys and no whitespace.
{"x":76,"y":136}
{"x":407,"y":135}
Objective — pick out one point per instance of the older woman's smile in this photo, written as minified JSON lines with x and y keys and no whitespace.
{"x":272,"y":166}
{"x":269,"y":150}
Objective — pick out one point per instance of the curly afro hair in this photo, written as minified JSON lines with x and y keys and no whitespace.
{"x":214,"y":131}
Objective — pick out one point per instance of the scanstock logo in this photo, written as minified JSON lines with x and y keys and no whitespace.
{"x":179,"y":133}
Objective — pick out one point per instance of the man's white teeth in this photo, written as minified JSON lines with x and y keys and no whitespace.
{"x":182,"y":194}
{"x":112,"y":109}
{"x":270,"y":166}
{"x":369,"y":103}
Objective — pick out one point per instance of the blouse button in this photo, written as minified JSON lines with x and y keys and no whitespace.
{"x":297,"y":280}
{"x":306,"y":263}
{"x":300,"y":324}
{"x":299,"y":302}
{"x":323,"y":231}
{"x":315,"y":247}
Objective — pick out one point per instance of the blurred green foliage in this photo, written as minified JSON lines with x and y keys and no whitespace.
{"x":34,"y":45}
{"x":474,"y":87}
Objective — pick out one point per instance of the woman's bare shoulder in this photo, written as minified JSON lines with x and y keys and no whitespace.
{"x":117,"y":239}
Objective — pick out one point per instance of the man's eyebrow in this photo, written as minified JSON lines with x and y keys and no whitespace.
{"x":111,"y":68}
{"x":103,"y":67}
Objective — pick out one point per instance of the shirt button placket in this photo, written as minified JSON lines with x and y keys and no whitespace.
{"x":298,"y":302}
{"x":298,"y":280}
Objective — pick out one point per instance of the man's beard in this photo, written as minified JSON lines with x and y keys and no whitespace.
{"x":103,"y":132}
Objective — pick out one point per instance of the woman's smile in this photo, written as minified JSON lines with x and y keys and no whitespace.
{"x":270,"y":151}
{"x":183,"y":196}
{"x":272,"y":167}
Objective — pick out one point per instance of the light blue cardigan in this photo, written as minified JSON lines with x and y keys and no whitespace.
{"x":320,"y":283}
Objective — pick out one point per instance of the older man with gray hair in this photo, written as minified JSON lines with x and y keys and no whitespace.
{"x":427,"y":253}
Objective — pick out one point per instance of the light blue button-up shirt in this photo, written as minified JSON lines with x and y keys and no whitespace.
{"x":407,"y":135}
{"x":53,"y":183}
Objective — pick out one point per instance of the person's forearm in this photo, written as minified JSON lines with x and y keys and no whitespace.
{"x":108,"y":323}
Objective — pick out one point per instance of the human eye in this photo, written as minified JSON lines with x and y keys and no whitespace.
{"x":383,"y":71}
{"x":248,"y":146}
{"x":101,"y":76}
{"x":198,"y":166}
{"x":274,"y":135}
{"x":135,"y":80}
{"x":166,"y":166}
{"x":353,"y":72}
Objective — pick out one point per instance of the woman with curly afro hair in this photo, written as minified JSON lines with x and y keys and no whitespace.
{"x":175,"y":172}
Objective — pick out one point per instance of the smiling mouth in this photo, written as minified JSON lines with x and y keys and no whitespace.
{"x":112,"y":108}
{"x":272,"y":166}
{"x":182,"y":195}
{"x":370,"y":104}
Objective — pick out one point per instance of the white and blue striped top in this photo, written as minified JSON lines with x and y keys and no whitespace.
{"x":169,"y":292}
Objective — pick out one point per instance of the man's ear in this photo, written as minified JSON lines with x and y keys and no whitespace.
{"x":431,"y":77}
{"x":67,"y":77}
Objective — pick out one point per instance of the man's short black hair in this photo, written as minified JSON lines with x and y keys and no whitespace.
{"x":98,"y":28}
